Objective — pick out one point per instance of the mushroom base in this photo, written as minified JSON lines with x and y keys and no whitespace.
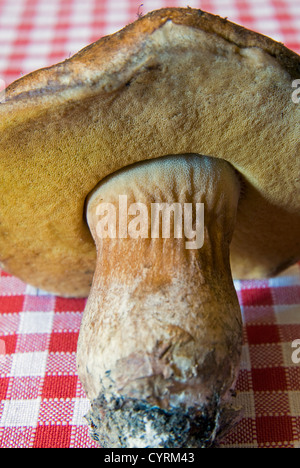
{"x":132,"y":423}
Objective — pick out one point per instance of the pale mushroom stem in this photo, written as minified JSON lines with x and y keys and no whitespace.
{"x":160,"y":341}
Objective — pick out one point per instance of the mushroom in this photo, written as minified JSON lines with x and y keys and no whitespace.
{"x":183,"y":108}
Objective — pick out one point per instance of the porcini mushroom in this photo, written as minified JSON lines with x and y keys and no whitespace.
{"x":178,"y":107}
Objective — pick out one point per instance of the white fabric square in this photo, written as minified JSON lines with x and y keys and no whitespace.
{"x":10,"y":15}
{"x":29,"y":364}
{"x":29,"y":64}
{"x":35,"y":322}
{"x":81,"y":408}
{"x":287,"y":314}
{"x":18,"y":413}
{"x":245,"y":363}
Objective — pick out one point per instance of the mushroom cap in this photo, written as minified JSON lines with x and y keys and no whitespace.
{"x":176,"y":81}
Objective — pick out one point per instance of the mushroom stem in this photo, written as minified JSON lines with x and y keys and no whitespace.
{"x":160,"y":341}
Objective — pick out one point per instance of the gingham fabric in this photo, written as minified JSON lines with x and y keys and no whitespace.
{"x":42,"y":401}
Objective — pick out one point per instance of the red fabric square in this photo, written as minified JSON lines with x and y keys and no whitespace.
{"x":52,"y":436}
{"x":274,"y":429}
{"x":60,"y":386}
{"x":261,"y":297}
{"x":69,"y":305}
{"x":4,"y":381}
{"x":10,"y":343}
{"x":269,"y":379}
{"x":63,"y":342}
{"x":4,"y":274}
{"x":11,"y":304}
{"x":258,"y":334}
{"x":244,"y":430}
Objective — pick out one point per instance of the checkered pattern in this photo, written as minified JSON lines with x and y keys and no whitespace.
{"x":42,"y":403}
{"x":268,"y":385}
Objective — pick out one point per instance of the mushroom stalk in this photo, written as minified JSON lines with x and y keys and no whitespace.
{"x":160,"y":341}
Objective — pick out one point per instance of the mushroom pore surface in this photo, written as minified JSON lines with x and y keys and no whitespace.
{"x":160,"y":340}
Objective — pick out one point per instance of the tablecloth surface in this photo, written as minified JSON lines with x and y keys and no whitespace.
{"x":42,"y":403}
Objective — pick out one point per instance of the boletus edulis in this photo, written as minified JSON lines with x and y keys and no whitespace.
{"x":146,"y":172}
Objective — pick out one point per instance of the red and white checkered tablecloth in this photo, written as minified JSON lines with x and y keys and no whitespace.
{"x":42,"y":402}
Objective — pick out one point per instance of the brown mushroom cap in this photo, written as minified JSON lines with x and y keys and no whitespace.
{"x":175,"y":81}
